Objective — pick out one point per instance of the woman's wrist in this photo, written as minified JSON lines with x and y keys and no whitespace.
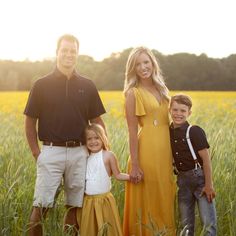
{"x":135,"y":163}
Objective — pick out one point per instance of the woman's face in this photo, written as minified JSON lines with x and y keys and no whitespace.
{"x":144,"y":67}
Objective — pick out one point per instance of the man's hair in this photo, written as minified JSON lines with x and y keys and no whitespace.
{"x":67,"y":37}
{"x":181,"y":99}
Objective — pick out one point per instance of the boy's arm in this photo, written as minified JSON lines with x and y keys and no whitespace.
{"x":116,"y":170}
{"x":208,"y":188}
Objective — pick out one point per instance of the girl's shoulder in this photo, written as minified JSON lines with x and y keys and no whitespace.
{"x":108,"y":156}
{"x":107,"y":153}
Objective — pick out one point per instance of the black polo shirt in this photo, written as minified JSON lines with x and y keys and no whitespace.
{"x":180,"y":150}
{"x":63,"y":106}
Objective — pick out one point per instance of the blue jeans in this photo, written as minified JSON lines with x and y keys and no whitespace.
{"x":190,"y":185}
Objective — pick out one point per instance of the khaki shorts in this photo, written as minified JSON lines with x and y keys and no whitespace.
{"x":57,"y":163}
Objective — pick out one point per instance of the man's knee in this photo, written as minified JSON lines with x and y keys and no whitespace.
{"x":70,"y":222}
{"x":70,"y":215}
{"x":38,"y":214}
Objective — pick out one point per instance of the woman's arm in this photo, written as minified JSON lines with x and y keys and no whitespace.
{"x":208,"y":188}
{"x":136,"y":174}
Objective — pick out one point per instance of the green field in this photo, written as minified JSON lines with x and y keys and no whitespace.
{"x":215,"y":112}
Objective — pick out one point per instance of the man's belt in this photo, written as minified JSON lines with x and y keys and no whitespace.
{"x":63,"y":144}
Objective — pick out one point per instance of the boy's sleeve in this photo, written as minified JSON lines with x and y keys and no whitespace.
{"x":198,"y":138}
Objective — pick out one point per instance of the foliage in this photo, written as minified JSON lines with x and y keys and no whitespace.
{"x":181,"y":71}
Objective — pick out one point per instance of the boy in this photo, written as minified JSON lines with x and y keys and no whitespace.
{"x":194,"y":177}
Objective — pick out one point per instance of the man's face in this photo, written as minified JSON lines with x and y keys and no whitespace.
{"x":67,"y":55}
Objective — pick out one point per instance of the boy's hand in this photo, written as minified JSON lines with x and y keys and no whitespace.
{"x":209,"y":192}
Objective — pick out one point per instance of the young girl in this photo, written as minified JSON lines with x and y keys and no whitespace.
{"x":99,"y":213}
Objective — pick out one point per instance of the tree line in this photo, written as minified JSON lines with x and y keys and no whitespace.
{"x":181,"y":71}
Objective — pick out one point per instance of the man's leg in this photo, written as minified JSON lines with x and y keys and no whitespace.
{"x":74,"y":183}
{"x":70,"y":221}
{"x":37,"y":216}
{"x":50,"y":168}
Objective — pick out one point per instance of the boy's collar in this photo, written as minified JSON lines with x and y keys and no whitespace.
{"x":182,"y":127}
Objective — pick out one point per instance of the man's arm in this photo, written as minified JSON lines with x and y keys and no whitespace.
{"x":31,"y":135}
{"x":98,"y":120}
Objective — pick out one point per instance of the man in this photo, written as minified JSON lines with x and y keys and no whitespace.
{"x":62,"y":104}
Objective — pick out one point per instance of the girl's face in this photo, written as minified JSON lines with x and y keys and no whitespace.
{"x":93,"y":141}
{"x":144,"y":67}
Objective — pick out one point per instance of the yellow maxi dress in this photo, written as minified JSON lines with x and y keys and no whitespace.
{"x":149,"y":205}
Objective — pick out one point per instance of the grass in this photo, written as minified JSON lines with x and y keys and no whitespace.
{"x":213,"y":111}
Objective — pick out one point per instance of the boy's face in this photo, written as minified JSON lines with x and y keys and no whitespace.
{"x":179,"y":113}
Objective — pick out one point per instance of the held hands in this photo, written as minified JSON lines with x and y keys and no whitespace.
{"x":136,"y":174}
{"x":209,"y":192}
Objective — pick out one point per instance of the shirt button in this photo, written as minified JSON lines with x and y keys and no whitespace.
{"x":183,"y":139}
{"x":175,"y":141}
{"x":177,"y":153}
{"x":180,"y":163}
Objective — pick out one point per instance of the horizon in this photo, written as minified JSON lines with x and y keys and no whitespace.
{"x":53,"y":58}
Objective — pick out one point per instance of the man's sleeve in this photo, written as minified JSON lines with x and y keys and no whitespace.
{"x":32,"y":107}
{"x":96,"y":107}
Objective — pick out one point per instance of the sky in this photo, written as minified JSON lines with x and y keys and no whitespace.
{"x":30,"y":28}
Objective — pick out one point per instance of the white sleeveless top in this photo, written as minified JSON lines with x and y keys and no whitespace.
{"x":97,"y":179}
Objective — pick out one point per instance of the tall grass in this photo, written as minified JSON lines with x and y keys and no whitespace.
{"x":215,"y":112}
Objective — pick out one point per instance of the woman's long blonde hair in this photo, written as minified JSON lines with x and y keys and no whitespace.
{"x":131,"y":79}
{"x":100,"y":132}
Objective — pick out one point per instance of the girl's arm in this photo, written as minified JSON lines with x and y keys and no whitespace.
{"x":208,"y":188}
{"x":136,"y":174}
{"x":113,"y":163}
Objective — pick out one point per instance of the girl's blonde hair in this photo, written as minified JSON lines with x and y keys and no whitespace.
{"x":100,"y":132}
{"x":131,"y":79}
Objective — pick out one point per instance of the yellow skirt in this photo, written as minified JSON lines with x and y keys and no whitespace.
{"x":99,"y":216}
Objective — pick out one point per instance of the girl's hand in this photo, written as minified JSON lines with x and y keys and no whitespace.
{"x":136,"y":174}
{"x":209,"y":192}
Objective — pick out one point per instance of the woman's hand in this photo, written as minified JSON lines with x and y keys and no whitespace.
{"x":136,"y":174}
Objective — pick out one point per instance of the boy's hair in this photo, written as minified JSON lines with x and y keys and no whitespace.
{"x":100,"y":132}
{"x":181,"y":99}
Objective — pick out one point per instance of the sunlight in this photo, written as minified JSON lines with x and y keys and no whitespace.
{"x":108,"y":26}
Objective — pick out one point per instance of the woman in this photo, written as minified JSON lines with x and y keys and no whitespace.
{"x":149,"y":199}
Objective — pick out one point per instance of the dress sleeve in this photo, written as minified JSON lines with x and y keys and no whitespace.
{"x":139,"y":108}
